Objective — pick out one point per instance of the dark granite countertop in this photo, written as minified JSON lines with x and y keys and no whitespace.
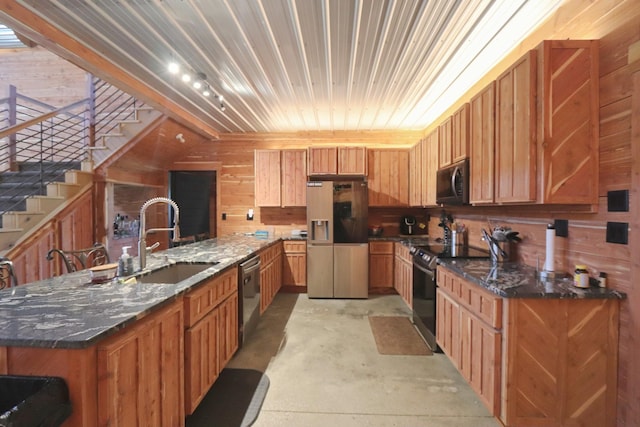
{"x":514,"y":280}
{"x":70,"y":312}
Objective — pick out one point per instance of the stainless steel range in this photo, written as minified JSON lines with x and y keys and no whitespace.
{"x":425,"y":261}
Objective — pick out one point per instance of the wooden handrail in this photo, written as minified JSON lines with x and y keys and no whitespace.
{"x":36,"y":120}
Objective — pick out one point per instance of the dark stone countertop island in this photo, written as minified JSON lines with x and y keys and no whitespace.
{"x":515,"y":280}
{"x":69,"y":312}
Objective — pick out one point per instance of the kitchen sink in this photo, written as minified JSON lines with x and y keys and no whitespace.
{"x":175,"y":273}
{"x":33,"y":401}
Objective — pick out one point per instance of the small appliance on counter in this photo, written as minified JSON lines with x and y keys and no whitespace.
{"x":408,"y":225}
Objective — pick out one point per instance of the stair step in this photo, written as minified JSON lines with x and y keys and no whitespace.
{"x":9,"y":203}
{"x":78,"y":177}
{"x":49,"y":166}
{"x":8,"y":238}
{"x":30,"y":176}
{"x":62,"y":189}
{"x":43,"y":203}
{"x":22,"y":220}
{"x":20,"y":189}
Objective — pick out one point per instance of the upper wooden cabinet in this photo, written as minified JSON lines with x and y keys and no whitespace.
{"x":568,"y":121}
{"x":482,"y":141}
{"x":267,"y":177}
{"x":515,"y":140}
{"x":388,"y":177}
{"x":430,"y":155}
{"x":337,"y":161}
{"x":415,"y":174}
{"x":545,"y":147}
{"x":280,"y":178}
{"x":294,"y":177}
{"x":446,"y":140}
{"x":460,"y":134}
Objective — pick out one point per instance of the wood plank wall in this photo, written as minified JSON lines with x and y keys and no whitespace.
{"x":32,"y":71}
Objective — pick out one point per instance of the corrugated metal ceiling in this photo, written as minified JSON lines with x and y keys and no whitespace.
{"x":299,"y":65}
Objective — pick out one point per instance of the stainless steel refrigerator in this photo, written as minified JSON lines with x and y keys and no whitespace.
{"x":337,"y":239}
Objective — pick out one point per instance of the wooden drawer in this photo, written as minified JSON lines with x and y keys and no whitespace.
{"x":269,"y":254}
{"x":206,"y":297}
{"x":381,"y":248}
{"x":402,"y":251}
{"x":482,"y":303}
{"x":450,"y":283}
{"x":295,"y":247}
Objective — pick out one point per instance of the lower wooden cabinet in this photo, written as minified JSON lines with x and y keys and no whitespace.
{"x":381,"y":265}
{"x":270,"y":274}
{"x":211,"y":334}
{"x":532,"y":361}
{"x":294,"y":264}
{"x":140,"y":373}
{"x":403,"y":273}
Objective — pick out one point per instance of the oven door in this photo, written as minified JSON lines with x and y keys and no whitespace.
{"x":424,"y":303}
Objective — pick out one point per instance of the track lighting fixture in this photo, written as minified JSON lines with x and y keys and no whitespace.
{"x":198,"y":80}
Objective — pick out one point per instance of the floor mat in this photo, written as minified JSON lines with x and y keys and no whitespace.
{"x":396,"y":335}
{"x":234,"y":400}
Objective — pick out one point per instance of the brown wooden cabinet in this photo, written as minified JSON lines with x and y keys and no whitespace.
{"x":526,"y":357}
{"x":270,"y":274}
{"x":446,"y":141}
{"x":416,"y":168}
{"x":294,"y":264}
{"x":403,"y":273}
{"x":430,"y":154}
{"x":140,"y":373}
{"x":515,"y":132}
{"x":211,"y":334}
{"x":294,"y":178}
{"x":388,"y":177}
{"x":337,"y":161}
{"x":482,"y":142}
{"x":381,"y":262}
{"x":542,"y":144}
{"x":460,"y":134}
{"x":280,"y":178}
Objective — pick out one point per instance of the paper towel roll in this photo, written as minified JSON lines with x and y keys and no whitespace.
{"x":550,"y":249}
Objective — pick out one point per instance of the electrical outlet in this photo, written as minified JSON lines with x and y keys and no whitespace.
{"x":618,"y":232}
{"x":224,"y":216}
{"x":562,"y":227}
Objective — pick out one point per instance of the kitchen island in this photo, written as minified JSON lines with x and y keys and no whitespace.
{"x":119,"y":345}
{"x":537,"y":352}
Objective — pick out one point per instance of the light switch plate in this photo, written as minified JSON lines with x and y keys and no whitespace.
{"x":562,"y":227}
{"x":618,"y":201}
{"x":618,"y":232}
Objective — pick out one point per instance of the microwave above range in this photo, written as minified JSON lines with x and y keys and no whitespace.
{"x":452,"y":184}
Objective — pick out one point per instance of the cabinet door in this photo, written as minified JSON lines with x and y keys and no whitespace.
{"x":352,"y":161}
{"x":482,"y":146}
{"x":415,"y":175}
{"x":294,"y":272}
{"x":515,"y":141}
{"x":140,"y":373}
{"x":430,"y":160}
{"x":388,"y":177}
{"x":267,"y":177}
{"x":380,"y":271}
{"x":202,"y":365}
{"x":228,"y":332}
{"x":448,"y":332}
{"x":323,"y":160}
{"x":446,"y":140}
{"x":294,"y":178}
{"x":481,"y":357}
{"x":460,"y":134}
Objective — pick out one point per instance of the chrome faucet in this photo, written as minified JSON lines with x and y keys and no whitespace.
{"x":142,"y":239}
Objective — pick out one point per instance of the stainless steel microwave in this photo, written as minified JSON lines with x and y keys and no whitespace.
{"x":452,"y":184}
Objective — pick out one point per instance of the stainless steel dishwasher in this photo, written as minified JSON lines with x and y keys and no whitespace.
{"x":249,"y":297}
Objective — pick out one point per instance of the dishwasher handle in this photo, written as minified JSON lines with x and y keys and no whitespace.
{"x":250,"y":265}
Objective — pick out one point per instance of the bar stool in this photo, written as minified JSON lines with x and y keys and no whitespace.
{"x":79,"y":259}
{"x":7,"y":276}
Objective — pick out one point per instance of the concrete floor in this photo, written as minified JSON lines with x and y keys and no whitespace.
{"x":324,"y":368}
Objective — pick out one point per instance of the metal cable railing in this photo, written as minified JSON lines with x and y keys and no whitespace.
{"x":40,"y":143}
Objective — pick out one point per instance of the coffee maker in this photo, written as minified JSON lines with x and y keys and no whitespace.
{"x":408,"y":225}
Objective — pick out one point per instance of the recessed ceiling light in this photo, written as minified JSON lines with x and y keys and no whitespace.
{"x":174,"y":68}
{"x":186,"y":77}
{"x":197,"y":84}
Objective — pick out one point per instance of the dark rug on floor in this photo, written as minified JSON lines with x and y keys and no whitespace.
{"x":396,"y":335}
{"x":234,"y":400}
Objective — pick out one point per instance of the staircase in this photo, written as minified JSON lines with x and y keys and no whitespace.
{"x":41,"y":175}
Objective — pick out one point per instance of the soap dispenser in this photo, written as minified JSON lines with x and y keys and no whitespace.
{"x":125,"y":263}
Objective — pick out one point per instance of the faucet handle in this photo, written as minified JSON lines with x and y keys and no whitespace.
{"x":152,"y":247}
